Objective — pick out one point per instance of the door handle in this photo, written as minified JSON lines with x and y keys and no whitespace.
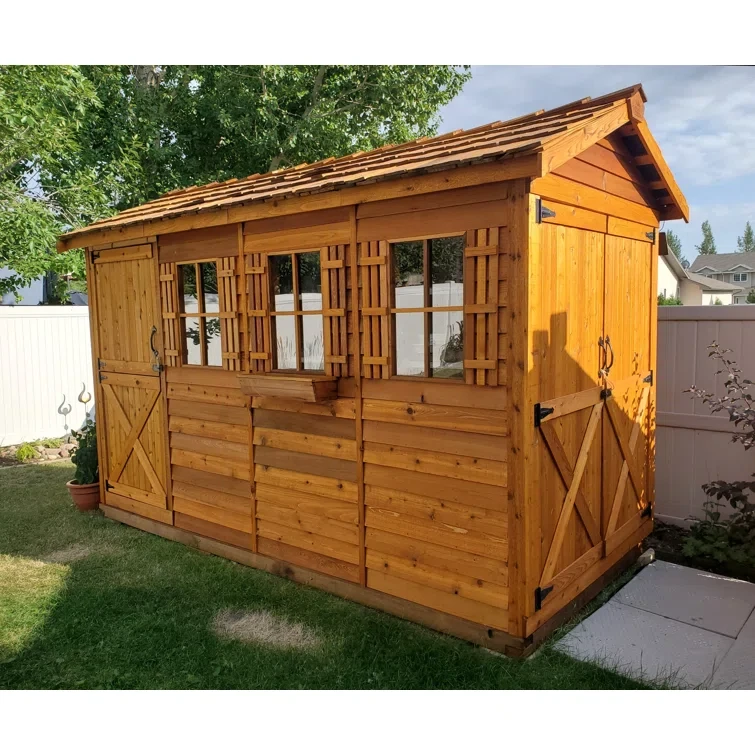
{"x":613,"y":356}
{"x":157,"y":366}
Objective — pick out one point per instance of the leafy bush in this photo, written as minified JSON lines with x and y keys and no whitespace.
{"x":665,"y":301}
{"x":85,"y":456}
{"x":25,"y":452}
{"x":733,"y":538}
{"x":51,"y":442}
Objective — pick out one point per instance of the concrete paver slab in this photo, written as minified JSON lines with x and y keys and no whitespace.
{"x":737,"y":671}
{"x":646,"y":646}
{"x":709,"y":601}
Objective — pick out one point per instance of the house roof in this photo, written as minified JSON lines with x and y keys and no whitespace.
{"x":723,"y":263}
{"x":550,"y":137}
{"x":711,"y":284}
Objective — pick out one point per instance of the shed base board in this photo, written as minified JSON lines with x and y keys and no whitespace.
{"x":492,"y":639}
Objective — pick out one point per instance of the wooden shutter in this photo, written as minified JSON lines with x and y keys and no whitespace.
{"x":335,"y":335}
{"x":258,"y":312}
{"x":375,"y":309}
{"x":481,"y":307}
{"x":228,"y":301}
{"x":169,"y":299}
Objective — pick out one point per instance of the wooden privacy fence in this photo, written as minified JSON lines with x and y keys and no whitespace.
{"x":45,"y":353}
{"x":693,"y":446}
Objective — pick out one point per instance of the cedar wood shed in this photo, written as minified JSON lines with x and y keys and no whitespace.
{"x":420,"y":377}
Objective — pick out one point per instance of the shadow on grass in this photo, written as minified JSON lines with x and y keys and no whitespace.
{"x":136,"y":611}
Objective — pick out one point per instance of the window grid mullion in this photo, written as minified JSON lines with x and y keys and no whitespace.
{"x":426,"y":304}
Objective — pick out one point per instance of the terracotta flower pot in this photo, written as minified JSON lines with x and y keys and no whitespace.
{"x":86,"y":497}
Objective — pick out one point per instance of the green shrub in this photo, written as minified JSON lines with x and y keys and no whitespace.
{"x":85,"y":456}
{"x":51,"y":442}
{"x":665,"y":301}
{"x":25,"y":452}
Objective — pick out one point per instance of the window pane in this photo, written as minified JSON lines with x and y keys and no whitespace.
{"x":408,"y":275}
{"x":313,"y":343}
{"x":282,"y":277}
{"x":447,"y":345}
{"x":209,"y":273}
{"x":410,"y":337}
{"x":187,"y":277}
{"x":447,"y":272}
{"x":212,"y":335}
{"x":191,"y":340}
{"x":285,"y":340}
{"x":309,"y":281}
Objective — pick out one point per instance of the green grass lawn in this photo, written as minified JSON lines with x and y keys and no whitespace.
{"x":89,"y":603}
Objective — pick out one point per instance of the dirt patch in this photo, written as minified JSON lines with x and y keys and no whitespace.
{"x":264,"y":628}
{"x":68,"y":555}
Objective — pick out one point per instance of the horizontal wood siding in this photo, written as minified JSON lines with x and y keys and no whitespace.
{"x":305,"y":482}
{"x":209,"y":424}
{"x":435,"y":496}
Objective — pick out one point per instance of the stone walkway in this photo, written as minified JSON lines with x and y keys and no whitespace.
{"x":676,"y":625}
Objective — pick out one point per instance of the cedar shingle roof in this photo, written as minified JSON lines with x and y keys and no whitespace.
{"x":526,"y":135}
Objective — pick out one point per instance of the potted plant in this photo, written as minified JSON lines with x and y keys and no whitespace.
{"x":85,"y":487}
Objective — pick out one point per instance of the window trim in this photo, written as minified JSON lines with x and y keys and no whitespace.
{"x":742,"y":277}
{"x":426,"y":309}
{"x":297,"y":314}
{"x":183,"y":316}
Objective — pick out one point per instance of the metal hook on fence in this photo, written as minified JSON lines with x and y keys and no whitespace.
{"x":65,"y":411}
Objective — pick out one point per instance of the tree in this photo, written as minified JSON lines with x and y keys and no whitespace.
{"x":751,"y":296}
{"x":708,"y":245}
{"x":746,"y":243}
{"x":675,"y":245}
{"x":42,"y":187}
{"x":105,"y":138}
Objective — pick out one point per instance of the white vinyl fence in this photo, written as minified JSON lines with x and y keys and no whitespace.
{"x":692,"y":445}
{"x":45,"y":355}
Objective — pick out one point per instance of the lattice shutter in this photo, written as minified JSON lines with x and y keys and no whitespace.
{"x":258,"y":311}
{"x":481,"y":307}
{"x":335,"y":335}
{"x":228,"y":300}
{"x":169,"y":300}
{"x":375,"y":309}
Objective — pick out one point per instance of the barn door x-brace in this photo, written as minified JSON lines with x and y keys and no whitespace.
{"x":599,"y":401}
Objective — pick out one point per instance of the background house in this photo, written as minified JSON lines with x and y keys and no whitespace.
{"x":737,"y":269}
{"x":693,"y":288}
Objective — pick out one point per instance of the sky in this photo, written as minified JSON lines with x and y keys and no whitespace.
{"x":701,"y":116}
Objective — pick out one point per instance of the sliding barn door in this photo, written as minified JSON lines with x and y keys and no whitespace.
{"x":131,"y":414}
{"x":629,"y":298}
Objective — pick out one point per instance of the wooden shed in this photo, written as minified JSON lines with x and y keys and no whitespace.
{"x":420,"y":377}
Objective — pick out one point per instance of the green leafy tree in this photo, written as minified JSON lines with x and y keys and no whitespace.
{"x":751,"y":296}
{"x":45,"y":185}
{"x":99,"y":139}
{"x":708,"y":245}
{"x":746,"y":243}
{"x":675,"y":245}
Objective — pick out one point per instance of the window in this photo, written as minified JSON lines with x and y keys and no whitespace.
{"x":427,"y":307}
{"x":199,"y":314}
{"x":740,"y":278}
{"x":296,"y":312}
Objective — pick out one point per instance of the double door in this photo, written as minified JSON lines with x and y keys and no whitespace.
{"x":592,"y":464}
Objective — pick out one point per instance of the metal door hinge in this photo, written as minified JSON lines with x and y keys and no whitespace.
{"x":541,"y":593}
{"x":648,"y":378}
{"x":648,"y":510}
{"x":95,"y":256}
{"x":651,"y":235}
{"x":541,"y":211}
{"x":606,"y":393}
{"x":541,"y":412}
{"x":108,"y":486}
{"x":101,"y":364}
{"x":102,"y":377}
